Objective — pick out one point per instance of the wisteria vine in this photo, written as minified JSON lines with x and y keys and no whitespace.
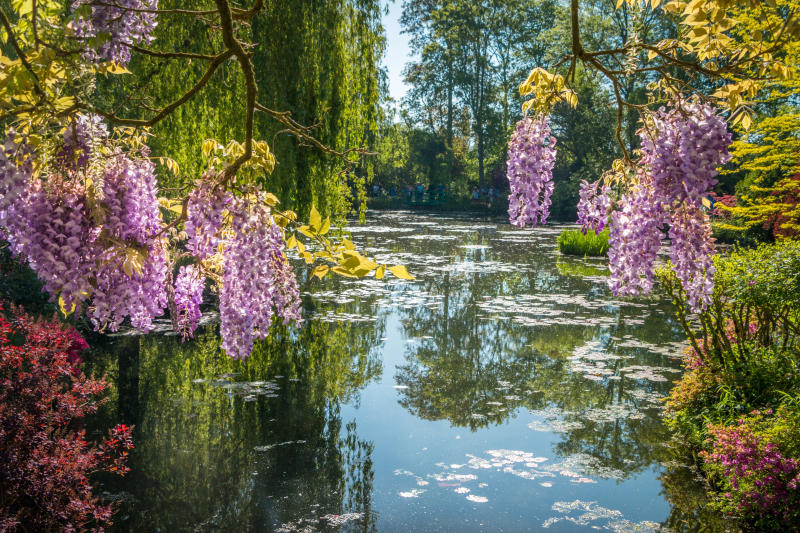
{"x":682,"y":147}
{"x":531,"y":157}
{"x":110,"y":28}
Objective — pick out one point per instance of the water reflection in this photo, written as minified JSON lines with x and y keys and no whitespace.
{"x":504,"y":389}
{"x":261,"y":446}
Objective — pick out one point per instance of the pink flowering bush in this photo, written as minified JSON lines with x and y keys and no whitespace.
{"x":757,"y":480}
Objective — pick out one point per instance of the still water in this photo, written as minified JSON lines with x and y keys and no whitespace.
{"x":504,"y":390}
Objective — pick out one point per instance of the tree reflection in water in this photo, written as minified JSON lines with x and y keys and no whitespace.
{"x":259,"y":445}
{"x":476,"y":368}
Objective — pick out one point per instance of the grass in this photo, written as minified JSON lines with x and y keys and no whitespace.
{"x":573,"y":242}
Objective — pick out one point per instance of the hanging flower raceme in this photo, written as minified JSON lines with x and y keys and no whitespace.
{"x":81,"y":136}
{"x":677,"y":169}
{"x":101,"y":247}
{"x":131,"y":216}
{"x":593,"y":207}
{"x":257,"y":282}
{"x":205,"y":211}
{"x":116,"y":25}
{"x":188,"y":296}
{"x":691,"y":141}
{"x":633,"y":243}
{"x":692,"y":254}
{"x":531,"y":157}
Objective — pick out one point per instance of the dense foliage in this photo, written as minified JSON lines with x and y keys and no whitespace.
{"x":738,"y":401}
{"x":45,"y":458}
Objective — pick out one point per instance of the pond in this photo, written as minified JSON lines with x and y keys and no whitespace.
{"x":503,"y":390}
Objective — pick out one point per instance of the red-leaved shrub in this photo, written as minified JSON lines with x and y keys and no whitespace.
{"x":45,"y":460}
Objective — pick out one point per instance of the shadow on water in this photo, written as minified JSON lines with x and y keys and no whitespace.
{"x":500,"y":336}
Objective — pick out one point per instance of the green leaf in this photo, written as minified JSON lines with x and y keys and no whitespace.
{"x":63,"y":306}
{"x":326,"y":226}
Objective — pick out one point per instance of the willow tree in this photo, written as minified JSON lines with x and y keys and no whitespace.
{"x":79,"y":195}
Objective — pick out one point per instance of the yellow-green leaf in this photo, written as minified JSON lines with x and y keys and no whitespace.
{"x":326,"y":226}
{"x":343,"y":272}
{"x":401,"y":272}
{"x":320,"y":271}
{"x":63,"y":306}
{"x":314,"y":219}
{"x":115,"y":68}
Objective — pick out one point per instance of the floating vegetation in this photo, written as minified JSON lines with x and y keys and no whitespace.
{"x":333,"y":316}
{"x":647,"y":372}
{"x":248,"y":389}
{"x":612,"y":413}
{"x":584,"y":464}
{"x":270,"y":446}
{"x":555,"y":425}
{"x":589,"y":513}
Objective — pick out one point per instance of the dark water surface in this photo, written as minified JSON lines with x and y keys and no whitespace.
{"x":504,"y":390}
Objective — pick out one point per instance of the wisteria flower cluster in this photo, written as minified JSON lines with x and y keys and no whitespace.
{"x":132,"y":217}
{"x":81,"y":136}
{"x":111,"y":27}
{"x":258,"y":282}
{"x":634,"y":240}
{"x":759,"y":478}
{"x":189,"y":284}
{"x":678,"y":167}
{"x":531,"y":157}
{"x":593,"y":207}
{"x":80,"y":250}
{"x":205,"y":212}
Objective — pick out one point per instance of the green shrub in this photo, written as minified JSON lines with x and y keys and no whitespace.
{"x":738,"y":404}
{"x":573,"y":242}
{"x":727,"y":233}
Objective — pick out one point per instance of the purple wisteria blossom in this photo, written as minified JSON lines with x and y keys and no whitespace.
{"x":205,"y":212}
{"x":678,"y":167}
{"x":80,"y":251}
{"x":80,"y":138}
{"x":132,"y":217}
{"x":111,"y":27}
{"x":634,"y":240}
{"x":188,"y":296}
{"x":593,"y":207}
{"x":258,"y":282}
{"x":691,"y":142}
{"x":692,"y":254}
{"x":531,"y":156}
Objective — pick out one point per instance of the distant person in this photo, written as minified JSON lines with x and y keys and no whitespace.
{"x":476,"y":194}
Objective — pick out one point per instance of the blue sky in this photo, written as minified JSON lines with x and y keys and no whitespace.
{"x":397,"y":49}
